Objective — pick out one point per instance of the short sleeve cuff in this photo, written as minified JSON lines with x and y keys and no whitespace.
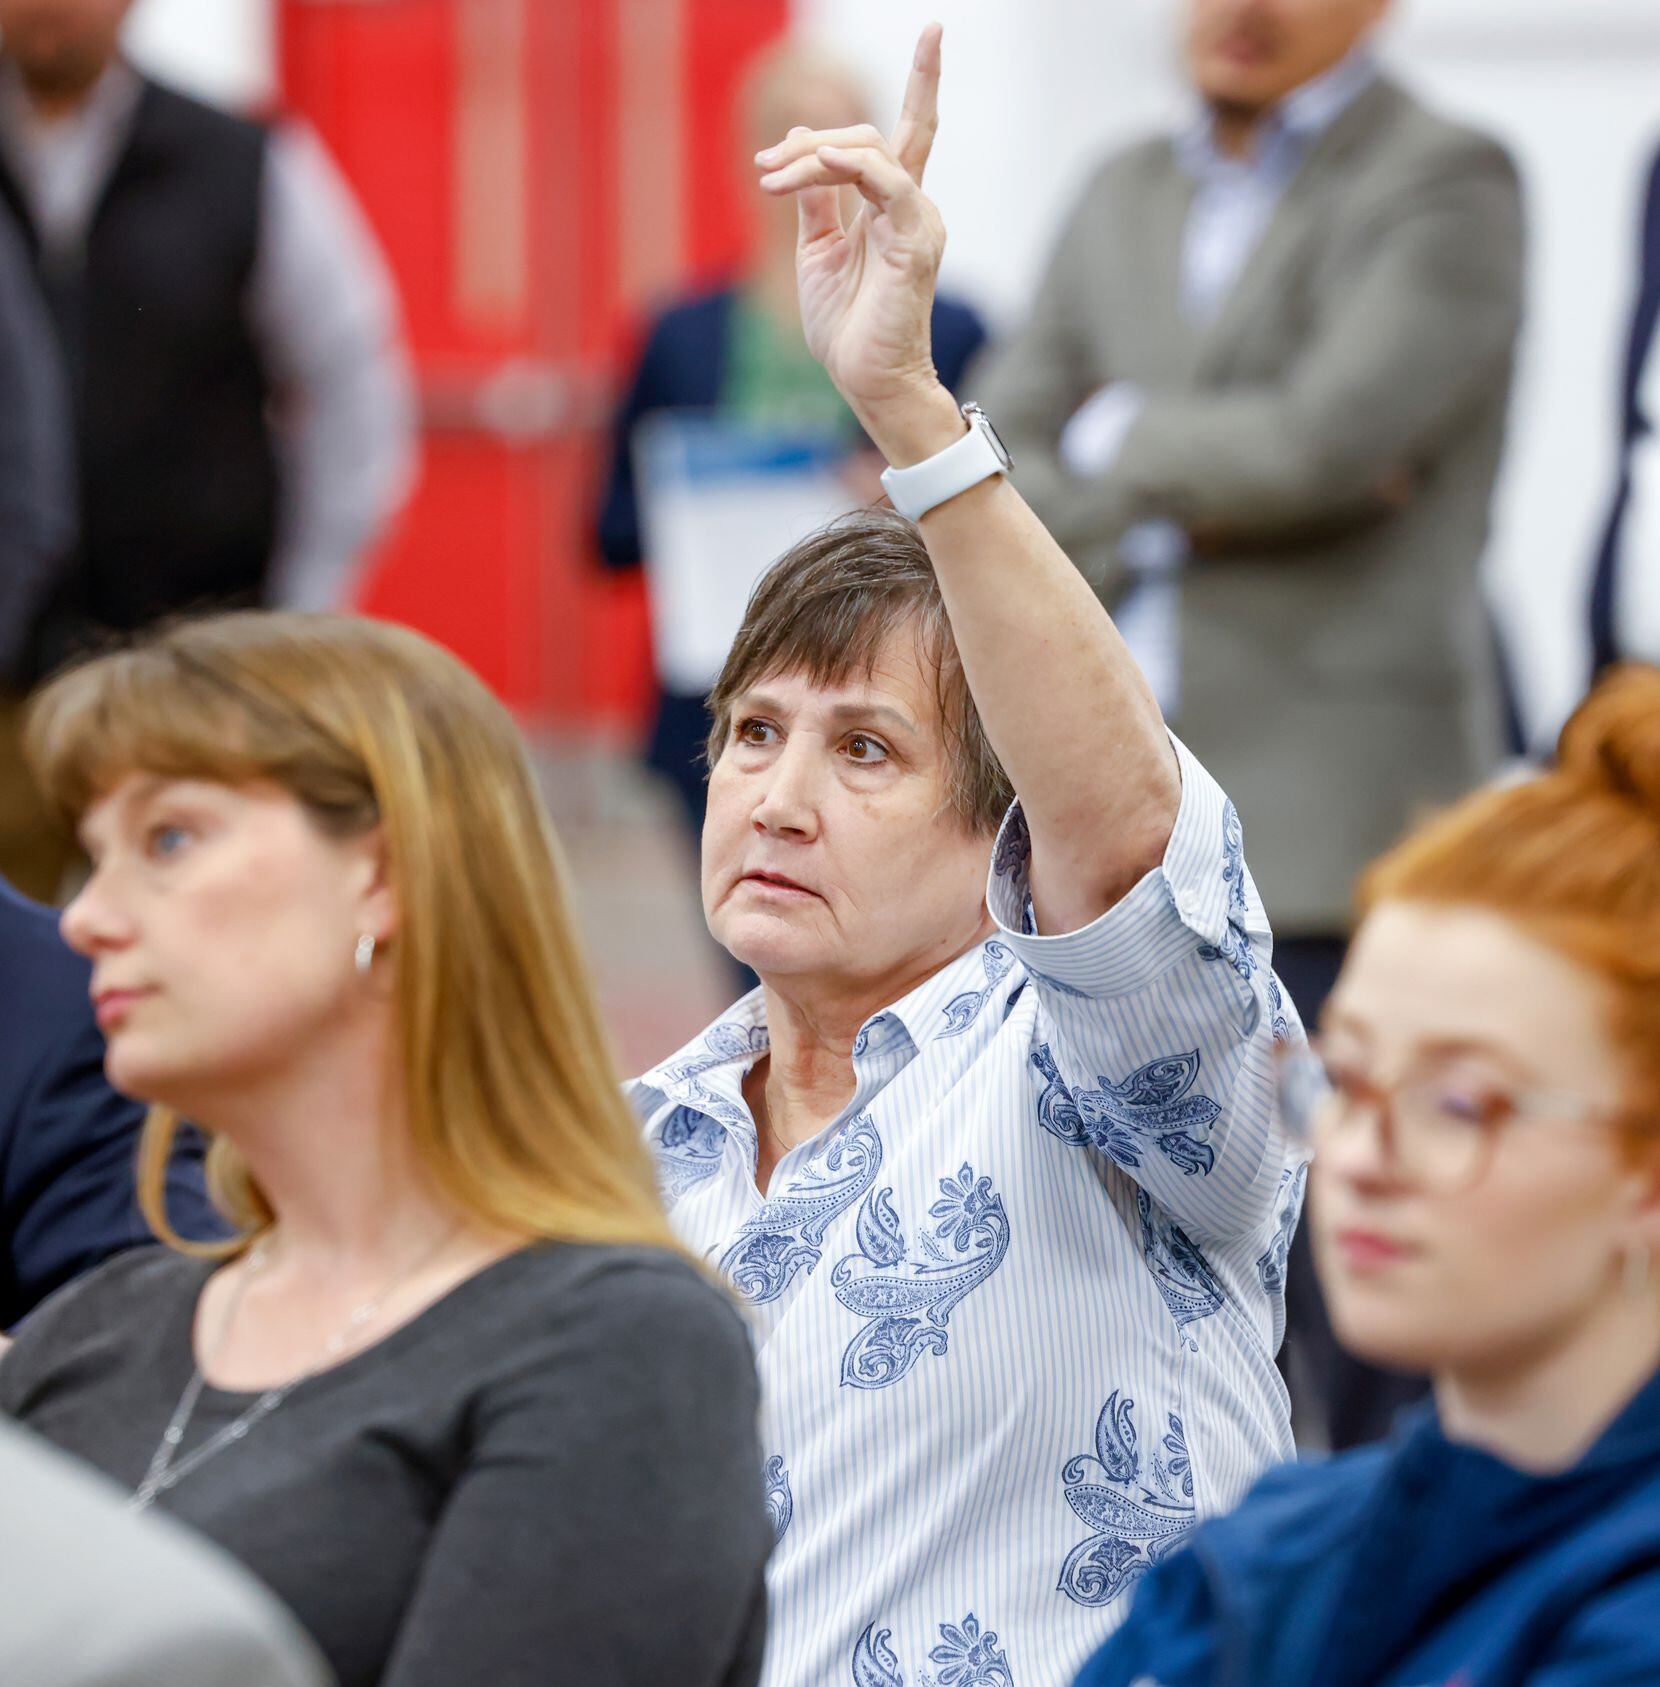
{"x":1182,"y":904}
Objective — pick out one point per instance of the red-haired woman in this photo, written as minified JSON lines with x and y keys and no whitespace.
{"x":1486,"y":1209}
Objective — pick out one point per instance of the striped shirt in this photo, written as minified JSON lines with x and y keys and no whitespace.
{"x":1015,"y":1310}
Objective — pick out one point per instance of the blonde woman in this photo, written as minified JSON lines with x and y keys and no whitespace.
{"x":452,"y":1392}
{"x":1486,"y":1209}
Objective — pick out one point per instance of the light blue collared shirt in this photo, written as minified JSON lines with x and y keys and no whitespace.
{"x":1015,"y":1310}
{"x":1236,"y":197}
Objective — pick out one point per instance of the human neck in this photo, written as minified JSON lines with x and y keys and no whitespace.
{"x":53,"y":102}
{"x":1234,"y":128}
{"x":807,"y":1077}
{"x":327,"y":1141}
{"x":1541,"y":1411}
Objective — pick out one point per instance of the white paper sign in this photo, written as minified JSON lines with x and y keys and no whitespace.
{"x":719,"y":503}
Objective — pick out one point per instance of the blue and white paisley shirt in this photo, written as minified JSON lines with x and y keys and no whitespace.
{"x":1015,"y":1310}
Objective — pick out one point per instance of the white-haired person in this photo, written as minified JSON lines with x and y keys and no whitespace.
{"x":1485,"y":1108}
{"x":991,"y":1170}
{"x":452,"y":1391}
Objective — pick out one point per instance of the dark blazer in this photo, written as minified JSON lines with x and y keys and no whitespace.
{"x":67,"y":1140}
{"x":1634,"y":427}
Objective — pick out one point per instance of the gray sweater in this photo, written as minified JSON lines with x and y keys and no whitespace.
{"x":550,"y":1476}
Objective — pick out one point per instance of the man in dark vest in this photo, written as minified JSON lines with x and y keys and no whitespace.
{"x":242,"y":406}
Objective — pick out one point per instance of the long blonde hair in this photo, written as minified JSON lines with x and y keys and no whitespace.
{"x":515,"y":1108}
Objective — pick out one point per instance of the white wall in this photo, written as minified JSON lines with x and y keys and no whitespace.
{"x":1035,"y":89}
{"x":219,"y":48}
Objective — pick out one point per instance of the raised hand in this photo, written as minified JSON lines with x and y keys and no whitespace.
{"x":867,"y":290}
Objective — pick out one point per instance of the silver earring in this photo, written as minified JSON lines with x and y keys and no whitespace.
{"x":364,"y":954}
{"x":1636,"y":1271}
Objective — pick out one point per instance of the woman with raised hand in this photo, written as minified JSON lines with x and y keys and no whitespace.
{"x":452,"y":1392}
{"x":1486,"y":1209}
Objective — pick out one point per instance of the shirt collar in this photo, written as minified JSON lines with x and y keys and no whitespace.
{"x":708,"y":1072}
{"x":1300,"y":119}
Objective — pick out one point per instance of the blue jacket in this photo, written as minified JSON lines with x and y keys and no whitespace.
{"x":1420,"y":1563}
{"x":67,"y":1140}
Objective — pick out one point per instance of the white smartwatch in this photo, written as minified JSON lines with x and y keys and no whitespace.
{"x":977,"y":456}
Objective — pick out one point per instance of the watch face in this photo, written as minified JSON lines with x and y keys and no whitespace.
{"x":979,"y":419}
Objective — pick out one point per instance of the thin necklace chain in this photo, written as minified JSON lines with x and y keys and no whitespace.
{"x":167,"y":1469}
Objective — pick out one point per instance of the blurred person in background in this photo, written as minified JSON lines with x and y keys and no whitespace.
{"x":68,"y":1141}
{"x":452,"y":1391}
{"x":93,"y":1596}
{"x":242,"y":406}
{"x":1625,"y":588}
{"x":37,"y":515}
{"x":736,"y":354}
{"x":992,"y":1155}
{"x":1261,"y":401}
{"x":1485,"y":1205}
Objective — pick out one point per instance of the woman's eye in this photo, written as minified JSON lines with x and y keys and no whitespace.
{"x":166,"y":840}
{"x":866,"y":750}
{"x":1461,"y":1106}
{"x":754,"y":732}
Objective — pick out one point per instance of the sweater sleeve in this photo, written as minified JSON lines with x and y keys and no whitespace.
{"x":609,"y":1527}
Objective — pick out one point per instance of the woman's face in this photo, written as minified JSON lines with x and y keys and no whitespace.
{"x":1475,"y":1274}
{"x":221,"y":925}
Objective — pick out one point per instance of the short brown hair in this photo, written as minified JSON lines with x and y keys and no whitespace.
{"x":825,"y":608}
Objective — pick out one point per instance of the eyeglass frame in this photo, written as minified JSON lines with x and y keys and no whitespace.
{"x":1379,"y":1099}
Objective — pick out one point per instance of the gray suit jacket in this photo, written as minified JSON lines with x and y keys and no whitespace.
{"x":1336,"y":662}
{"x":93,"y":1596}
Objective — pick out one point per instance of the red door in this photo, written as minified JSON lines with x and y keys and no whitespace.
{"x":538,"y":171}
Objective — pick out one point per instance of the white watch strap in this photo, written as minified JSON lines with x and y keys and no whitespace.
{"x":928,"y":484}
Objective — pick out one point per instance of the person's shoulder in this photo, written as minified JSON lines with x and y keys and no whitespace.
{"x":1418,"y":140}
{"x":1115,"y":188}
{"x":1150,"y":157}
{"x":693,"y":314}
{"x":627,"y":1274}
{"x":169,"y":111}
{"x":145,"y":1275}
{"x":654,"y":1296}
{"x":1297,"y":1507}
{"x":110,"y":1304}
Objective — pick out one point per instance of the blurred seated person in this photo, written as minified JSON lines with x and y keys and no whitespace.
{"x":452,"y":1392}
{"x":1625,"y":589}
{"x":94,"y":1596}
{"x":67,"y":1140}
{"x":1486,"y":1208}
{"x":736,"y":355}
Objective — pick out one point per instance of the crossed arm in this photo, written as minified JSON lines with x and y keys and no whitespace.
{"x":1062,"y":700}
{"x":1430,"y":311}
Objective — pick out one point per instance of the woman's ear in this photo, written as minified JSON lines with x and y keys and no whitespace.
{"x":379,"y":914}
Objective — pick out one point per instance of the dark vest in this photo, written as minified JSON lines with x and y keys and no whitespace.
{"x":176,"y":457}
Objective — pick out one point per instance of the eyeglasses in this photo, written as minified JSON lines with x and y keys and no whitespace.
{"x":1439,"y":1126}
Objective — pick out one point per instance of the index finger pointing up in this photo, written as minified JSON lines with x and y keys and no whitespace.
{"x":919,"y":117}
